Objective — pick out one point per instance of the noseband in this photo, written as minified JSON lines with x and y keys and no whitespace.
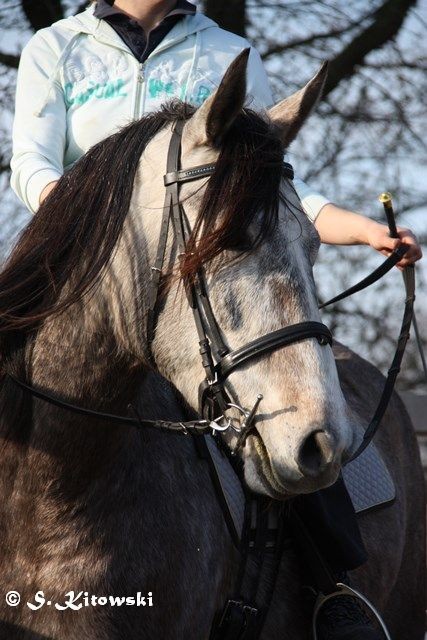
{"x":218,"y":360}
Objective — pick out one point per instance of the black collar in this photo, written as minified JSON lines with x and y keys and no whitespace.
{"x":105,"y":8}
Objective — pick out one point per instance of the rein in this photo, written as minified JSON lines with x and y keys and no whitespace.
{"x":217,"y":359}
{"x":407,"y":319}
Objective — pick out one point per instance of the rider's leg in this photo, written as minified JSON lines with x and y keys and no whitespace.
{"x":330,"y":518}
{"x":331,"y":544}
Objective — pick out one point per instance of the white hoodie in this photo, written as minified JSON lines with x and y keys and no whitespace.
{"x":78,"y":83}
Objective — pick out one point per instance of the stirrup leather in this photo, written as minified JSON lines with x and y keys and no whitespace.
{"x":345,"y":590}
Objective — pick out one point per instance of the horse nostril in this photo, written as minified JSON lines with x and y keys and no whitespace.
{"x":315,"y":453}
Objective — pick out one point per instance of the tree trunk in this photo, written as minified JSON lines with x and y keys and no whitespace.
{"x":42,"y":13}
{"x":388,"y":20}
{"x":229,"y":14}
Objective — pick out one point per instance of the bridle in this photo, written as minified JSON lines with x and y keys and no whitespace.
{"x":218,"y":360}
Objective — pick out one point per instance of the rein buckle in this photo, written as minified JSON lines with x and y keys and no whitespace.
{"x":237,"y":617}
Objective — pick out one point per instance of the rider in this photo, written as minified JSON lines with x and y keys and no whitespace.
{"x":85,"y":76}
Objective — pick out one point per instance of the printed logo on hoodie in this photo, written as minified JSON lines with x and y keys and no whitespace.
{"x":88,"y":78}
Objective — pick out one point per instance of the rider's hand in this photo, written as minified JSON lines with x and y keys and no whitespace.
{"x":378,"y":237}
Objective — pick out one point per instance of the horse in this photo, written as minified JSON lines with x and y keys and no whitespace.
{"x":91,"y":508}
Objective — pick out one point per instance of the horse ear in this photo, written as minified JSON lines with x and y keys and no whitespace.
{"x":290,"y":114}
{"x":216,"y":115}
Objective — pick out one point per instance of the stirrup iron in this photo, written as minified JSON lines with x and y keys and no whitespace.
{"x":343,"y":589}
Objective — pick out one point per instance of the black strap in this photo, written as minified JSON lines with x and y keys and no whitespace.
{"x":202,"y":170}
{"x":244,"y":614}
{"x":373,"y":277}
{"x":272,"y":341}
{"x":194,"y":289}
{"x":186,"y":175}
{"x":196,"y":427}
{"x":212,"y":329}
{"x":156,"y":271}
{"x":204,"y":452}
{"x":174,"y":153}
{"x":409,"y":281}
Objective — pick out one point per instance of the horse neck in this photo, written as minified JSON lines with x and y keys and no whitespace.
{"x":75,"y":357}
{"x":79,"y":483}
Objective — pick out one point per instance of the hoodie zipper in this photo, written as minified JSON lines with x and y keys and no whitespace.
{"x":141,"y":65}
{"x":141,"y":76}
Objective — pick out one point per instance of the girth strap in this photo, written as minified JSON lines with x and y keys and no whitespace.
{"x":244,"y":614}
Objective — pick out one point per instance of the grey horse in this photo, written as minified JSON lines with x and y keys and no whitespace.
{"x":92,"y":509}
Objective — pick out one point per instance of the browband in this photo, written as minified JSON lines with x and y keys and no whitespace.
{"x":186,"y":175}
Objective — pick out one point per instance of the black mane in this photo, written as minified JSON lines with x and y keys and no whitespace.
{"x":77,"y":227}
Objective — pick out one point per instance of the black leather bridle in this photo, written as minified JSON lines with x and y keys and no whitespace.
{"x":218,"y":360}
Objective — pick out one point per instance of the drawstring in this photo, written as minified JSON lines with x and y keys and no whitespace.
{"x":39,"y":110}
{"x":197,"y":46}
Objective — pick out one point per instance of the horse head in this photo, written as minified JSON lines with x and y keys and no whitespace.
{"x":257,"y":249}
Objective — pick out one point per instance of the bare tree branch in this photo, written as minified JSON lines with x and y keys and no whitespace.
{"x":299,"y":42}
{"x":387,"y":22}
{"x":42,"y":13}
{"x":230,"y":15}
{"x":9,"y":60}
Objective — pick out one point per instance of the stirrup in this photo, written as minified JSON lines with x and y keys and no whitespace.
{"x":345,"y":590}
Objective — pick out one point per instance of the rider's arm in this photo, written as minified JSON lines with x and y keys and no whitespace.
{"x":334,"y":224}
{"x":37,"y":160}
{"x":339,"y":226}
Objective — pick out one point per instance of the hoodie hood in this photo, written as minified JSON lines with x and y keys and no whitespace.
{"x":86,"y":22}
